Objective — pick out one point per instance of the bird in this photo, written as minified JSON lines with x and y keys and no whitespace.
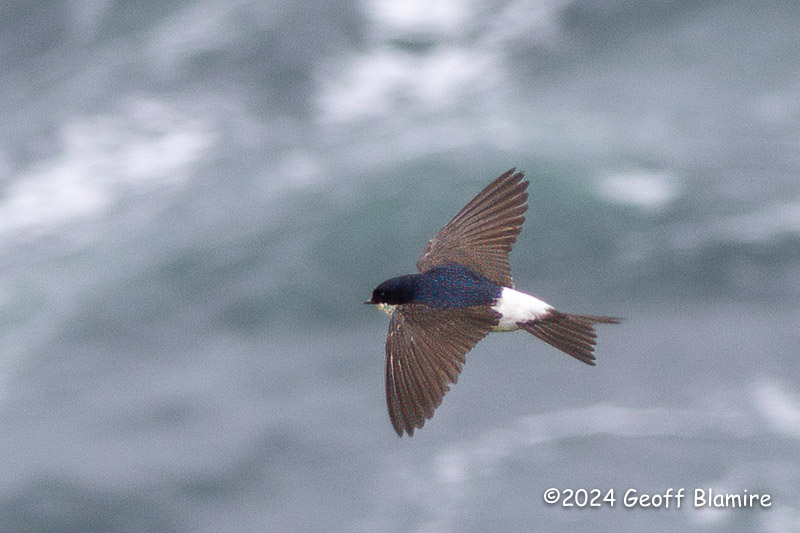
{"x":463,"y":292}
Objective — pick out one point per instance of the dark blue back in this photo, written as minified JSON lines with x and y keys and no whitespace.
{"x":452,"y":286}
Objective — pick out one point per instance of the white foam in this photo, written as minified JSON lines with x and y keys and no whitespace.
{"x":415,"y":16}
{"x":763,"y":225}
{"x":146,"y":145}
{"x":539,"y":21}
{"x":775,"y":107}
{"x":646,"y":190}
{"x":780,"y":408}
{"x":587,"y":421}
{"x":387,"y":80}
{"x":203,"y":25}
{"x":377,"y":82}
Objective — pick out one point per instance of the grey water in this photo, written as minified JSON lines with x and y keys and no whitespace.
{"x":196,"y":197}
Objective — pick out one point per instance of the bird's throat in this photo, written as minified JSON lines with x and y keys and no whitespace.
{"x":386,"y":308}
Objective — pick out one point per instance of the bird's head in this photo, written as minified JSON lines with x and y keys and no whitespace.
{"x":395,"y":291}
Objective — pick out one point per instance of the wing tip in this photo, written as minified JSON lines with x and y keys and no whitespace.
{"x":513,"y":176}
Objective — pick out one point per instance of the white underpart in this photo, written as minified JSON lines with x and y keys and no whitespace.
{"x":515,"y":306}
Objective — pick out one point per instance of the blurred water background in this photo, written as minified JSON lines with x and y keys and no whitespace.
{"x":196,"y":197}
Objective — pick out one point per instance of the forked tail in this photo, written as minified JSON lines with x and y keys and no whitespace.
{"x":572,"y":334}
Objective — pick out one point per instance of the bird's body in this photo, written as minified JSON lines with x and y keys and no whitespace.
{"x":463,"y":292}
{"x":454,"y":286}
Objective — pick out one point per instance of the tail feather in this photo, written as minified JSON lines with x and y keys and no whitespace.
{"x":572,"y":334}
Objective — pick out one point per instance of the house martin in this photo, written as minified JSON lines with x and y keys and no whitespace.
{"x":462,"y":293}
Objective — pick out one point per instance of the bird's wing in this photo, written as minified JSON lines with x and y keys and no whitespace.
{"x":424,"y":353}
{"x":480,"y":236}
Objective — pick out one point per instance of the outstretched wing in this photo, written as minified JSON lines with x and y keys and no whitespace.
{"x":424,"y":353}
{"x":481,"y":235}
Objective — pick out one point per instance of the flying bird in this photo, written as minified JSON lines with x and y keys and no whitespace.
{"x":463,"y":292}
